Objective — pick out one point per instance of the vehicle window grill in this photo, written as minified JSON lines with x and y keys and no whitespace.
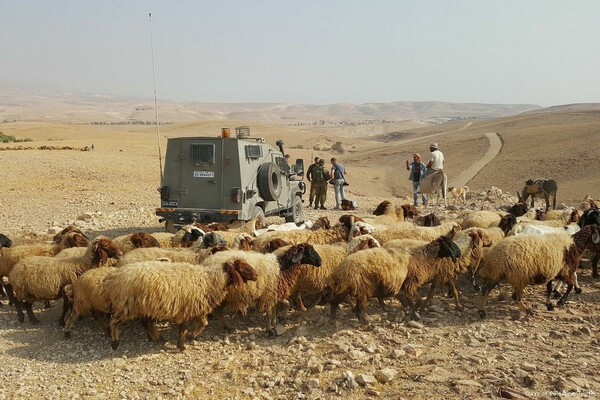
{"x":253,"y":151}
{"x":203,"y":153}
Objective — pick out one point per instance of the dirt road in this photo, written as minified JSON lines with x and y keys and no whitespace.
{"x":471,"y":172}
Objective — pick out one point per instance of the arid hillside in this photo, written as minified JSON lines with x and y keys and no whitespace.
{"x":125,"y":168}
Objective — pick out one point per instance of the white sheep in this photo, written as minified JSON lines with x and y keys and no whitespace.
{"x":178,"y":292}
{"x":535,"y":260}
{"x":44,"y":278}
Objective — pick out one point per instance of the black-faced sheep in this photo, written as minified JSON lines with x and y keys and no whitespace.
{"x":44,"y":278}
{"x":428,"y":220}
{"x":535,"y":260}
{"x":277,"y":272}
{"x":181,"y":293}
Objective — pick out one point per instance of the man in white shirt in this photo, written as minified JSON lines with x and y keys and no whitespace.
{"x":437,"y":158}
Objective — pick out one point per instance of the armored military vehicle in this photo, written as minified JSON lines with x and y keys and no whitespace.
{"x":225,"y":178}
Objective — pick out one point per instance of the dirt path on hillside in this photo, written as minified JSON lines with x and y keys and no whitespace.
{"x":467,"y":175}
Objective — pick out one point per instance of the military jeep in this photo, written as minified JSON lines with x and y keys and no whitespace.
{"x":224,"y":178}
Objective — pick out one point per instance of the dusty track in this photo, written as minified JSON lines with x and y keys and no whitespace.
{"x":471,"y":172}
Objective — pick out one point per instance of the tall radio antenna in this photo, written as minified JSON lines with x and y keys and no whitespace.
{"x":155,"y":102}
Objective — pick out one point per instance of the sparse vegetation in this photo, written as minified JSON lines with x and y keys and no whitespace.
{"x":11,"y":139}
{"x":338,"y":148}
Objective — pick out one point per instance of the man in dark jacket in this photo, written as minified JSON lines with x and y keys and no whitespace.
{"x":309,"y":176}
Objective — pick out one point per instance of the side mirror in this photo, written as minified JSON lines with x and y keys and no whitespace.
{"x":298,"y":168}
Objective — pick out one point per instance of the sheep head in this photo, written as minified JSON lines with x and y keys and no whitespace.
{"x":192,"y":233}
{"x":303,"y":253}
{"x":409,"y":211}
{"x":321,"y":223}
{"x":103,"y":249}
{"x":430,"y":220}
{"x":239,"y":272}
{"x":5,"y":241}
{"x":217,"y":249}
{"x":539,"y":214}
{"x":213,"y":239}
{"x":143,"y":240}
{"x":507,"y":222}
{"x":369,"y":242}
{"x":447,"y":248}
{"x":275,"y":244}
{"x":382,"y":208}
{"x":519,"y":209}
{"x":217,"y":226}
{"x":60,"y":235}
{"x":243,"y":242}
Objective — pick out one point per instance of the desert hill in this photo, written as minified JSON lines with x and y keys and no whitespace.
{"x":26,"y":103}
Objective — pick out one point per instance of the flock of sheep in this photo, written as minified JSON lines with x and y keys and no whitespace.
{"x":214,"y":270}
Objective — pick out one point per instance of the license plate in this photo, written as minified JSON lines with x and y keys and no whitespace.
{"x":170,"y":203}
{"x":204,"y":174}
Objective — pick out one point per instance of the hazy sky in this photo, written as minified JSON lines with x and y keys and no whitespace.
{"x":544,"y":52}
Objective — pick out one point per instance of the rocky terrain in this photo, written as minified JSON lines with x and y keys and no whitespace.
{"x":447,"y":354}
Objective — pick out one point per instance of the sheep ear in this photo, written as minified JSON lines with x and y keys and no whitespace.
{"x":245,"y":271}
{"x":596,"y":237}
{"x":298,"y":253}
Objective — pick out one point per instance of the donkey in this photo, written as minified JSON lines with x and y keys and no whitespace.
{"x":436,"y":182}
{"x":539,"y":188}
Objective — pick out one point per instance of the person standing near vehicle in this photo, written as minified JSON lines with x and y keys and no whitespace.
{"x":309,"y":176}
{"x":417,"y":171}
{"x":338,"y":173}
{"x":320,"y":177}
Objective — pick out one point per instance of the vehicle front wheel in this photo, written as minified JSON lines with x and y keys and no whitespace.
{"x":259,"y":214}
{"x":297,"y":215}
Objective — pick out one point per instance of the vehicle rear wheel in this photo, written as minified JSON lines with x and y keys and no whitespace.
{"x":297,"y":216}
{"x":259,"y":214}
{"x":269,"y":181}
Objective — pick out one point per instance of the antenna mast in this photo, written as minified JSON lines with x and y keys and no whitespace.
{"x":155,"y":102}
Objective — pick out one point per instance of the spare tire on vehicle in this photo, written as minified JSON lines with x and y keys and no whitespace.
{"x":269,"y":181}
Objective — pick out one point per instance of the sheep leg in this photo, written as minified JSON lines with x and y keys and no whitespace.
{"x":283,"y":307}
{"x":198,"y":327}
{"x":271,"y":321}
{"x":563,"y":299}
{"x":576,"y":283}
{"x":2,"y":290}
{"x":381,"y":302}
{"x":219,"y":313}
{"x":432,"y":289}
{"x":181,"y":336}
{"x":595,"y":274}
{"x":20,"y":315}
{"x":66,"y":307}
{"x":152,"y":332}
{"x":10,"y":294}
{"x":335,"y":304}
{"x":47,"y":304}
{"x":519,"y":297}
{"x":359,"y":310}
{"x":298,"y":304}
{"x":101,"y":320}
{"x":71,"y":319}
{"x":556,"y":289}
{"x":30,"y":314}
{"x":454,"y":290}
{"x":115,"y":333}
{"x":549,"y":292}
{"x":485,"y":292}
